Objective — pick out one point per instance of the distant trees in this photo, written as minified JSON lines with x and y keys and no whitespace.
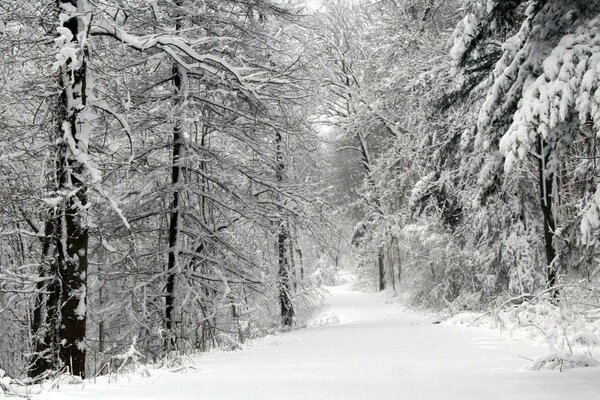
{"x":376,"y":55}
{"x":339,"y":38}
{"x":460,"y":137}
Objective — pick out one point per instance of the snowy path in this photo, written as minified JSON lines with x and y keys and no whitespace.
{"x":376,"y":351}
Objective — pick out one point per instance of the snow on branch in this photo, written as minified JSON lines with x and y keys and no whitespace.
{"x":172,"y":46}
{"x":483,"y":19}
{"x":567,"y":89}
{"x":590,"y":221}
{"x":102,"y":105}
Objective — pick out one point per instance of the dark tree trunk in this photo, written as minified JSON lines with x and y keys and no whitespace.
{"x":285,"y":300}
{"x":292,"y":261}
{"x":72,"y":267}
{"x":101,"y":345}
{"x":173,"y":240}
{"x":381,"y":264}
{"x":287,"y":308}
{"x":546,"y":182}
{"x":172,"y":261}
{"x":65,"y":305}
{"x":173,"y":225}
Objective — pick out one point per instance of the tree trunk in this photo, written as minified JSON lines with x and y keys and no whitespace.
{"x":381,"y":264}
{"x":65,"y":317}
{"x":546,"y":182}
{"x":72,"y":267}
{"x":301,"y":262}
{"x":173,"y":236}
{"x":366,"y":160}
{"x":41,"y":360}
{"x":172,"y":261}
{"x":285,"y":300}
{"x":391,"y":264}
{"x":292,"y":261}
{"x":287,"y":308}
{"x":399,"y":260}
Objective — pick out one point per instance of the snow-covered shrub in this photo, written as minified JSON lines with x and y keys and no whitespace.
{"x":437,"y":272}
{"x":570,"y":330}
{"x":561,"y":362}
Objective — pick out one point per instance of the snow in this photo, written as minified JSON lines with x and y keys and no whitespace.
{"x":554,"y":82}
{"x":80,"y":311}
{"x":590,"y":221}
{"x":361,"y":346}
{"x":169,"y":45}
{"x":68,"y":51}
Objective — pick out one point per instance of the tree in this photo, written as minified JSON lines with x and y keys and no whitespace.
{"x":66,"y":232}
{"x":167,"y":197}
{"x":345,"y":105}
{"x":540,"y":98}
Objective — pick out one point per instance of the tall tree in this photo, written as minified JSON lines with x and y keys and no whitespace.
{"x":67,"y":262}
{"x":539,"y":99}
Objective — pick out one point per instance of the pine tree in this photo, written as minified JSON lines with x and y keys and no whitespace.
{"x":540,"y":97}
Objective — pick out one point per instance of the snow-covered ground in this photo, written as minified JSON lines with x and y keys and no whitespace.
{"x":361,"y":346}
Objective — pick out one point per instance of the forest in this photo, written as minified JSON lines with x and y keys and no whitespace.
{"x":184,"y":176}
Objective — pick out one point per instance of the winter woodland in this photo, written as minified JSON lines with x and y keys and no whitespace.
{"x":183,"y":177}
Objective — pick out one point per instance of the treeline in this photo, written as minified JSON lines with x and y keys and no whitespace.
{"x":475,"y":125}
{"x":168,"y":169}
{"x":157,"y":176}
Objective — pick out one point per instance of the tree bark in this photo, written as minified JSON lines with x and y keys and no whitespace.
{"x":172,"y":261}
{"x":174,"y":222}
{"x":287,"y":307}
{"x":65,"y":305}
{"x":381,"y":264}
{"x":546,"y":182}
{"x":301,"y":261}
{"x":292,"y":261}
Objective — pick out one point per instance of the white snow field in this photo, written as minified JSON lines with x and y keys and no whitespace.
{"x":370,"y":348}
